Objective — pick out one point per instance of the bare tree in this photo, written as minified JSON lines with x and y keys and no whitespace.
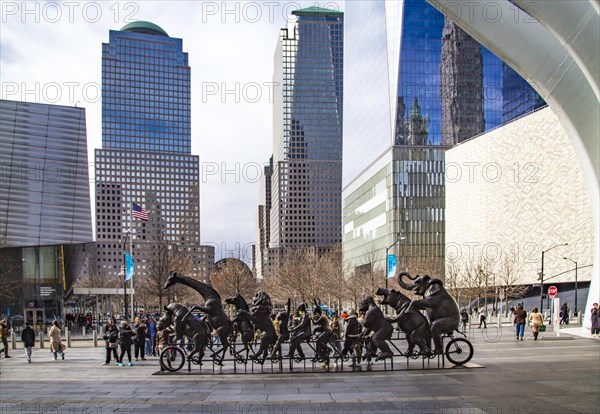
{"x":234,"y":278}
{"x":509,"y":279}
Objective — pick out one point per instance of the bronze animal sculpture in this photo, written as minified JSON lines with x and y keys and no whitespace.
{"x":299,"y":332}
{"x":322,"y":333}
{"x":189,"y":326}
{"x":284,"y":333}
{"x":413,"y":324}
{"x":381,"y":328}
{"x":260,"y":314}
{"x":213,"y":308}
{"x":441,"y":310}
{"x":243,"y":322}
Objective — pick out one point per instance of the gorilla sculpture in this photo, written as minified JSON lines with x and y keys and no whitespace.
{"x":377,"y":323}
{"x":413,"y":324}
{"x":441,"y":310}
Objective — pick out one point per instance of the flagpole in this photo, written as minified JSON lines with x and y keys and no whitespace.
{"x":131,"y":253}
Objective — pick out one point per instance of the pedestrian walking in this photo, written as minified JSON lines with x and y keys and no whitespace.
{"x":56,"y":345}
{"x":28,"y":338}
{"x":482,"y":319}
{"x":536,"y":321}
{"x":595,"y":319}
{"x":564,"y":314}
{"x":124,"y":341}
{"x":4,"y":337}
{"x":139,"y":338}
{"x":464,"y":319}
{"x":519,"y":321}
{"x":151,"y":338}
{"x":111,"y":336}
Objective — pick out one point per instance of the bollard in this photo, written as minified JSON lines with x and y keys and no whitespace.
{"x":95,"y":338}
{"x":13,"y":340}
{"x":83,"y":332}
{"x":41,"y":339}
{"x":68,"y":338}
{"x":579,"y":317}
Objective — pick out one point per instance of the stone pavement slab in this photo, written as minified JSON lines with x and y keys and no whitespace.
{"x":516,"y":377}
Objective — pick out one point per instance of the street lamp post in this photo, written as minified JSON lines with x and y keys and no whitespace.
{"x":574,"y":261}
{"x":542,"y":274}
{"x":387,"y":262}
{"x":125,"y":274}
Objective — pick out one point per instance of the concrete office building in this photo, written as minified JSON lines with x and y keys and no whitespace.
{"x":146,"y":154}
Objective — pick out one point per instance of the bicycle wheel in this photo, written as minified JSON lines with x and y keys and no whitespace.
{"x":172,"y":358}
{"x":459,"y":351}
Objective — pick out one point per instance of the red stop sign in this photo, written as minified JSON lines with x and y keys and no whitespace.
{"x":552,"y":291}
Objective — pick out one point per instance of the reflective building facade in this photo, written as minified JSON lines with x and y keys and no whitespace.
{"x":45,"y":217}
{"x":435,"y":87}
{"x":307,"y":127}
{"x":146,"y":147}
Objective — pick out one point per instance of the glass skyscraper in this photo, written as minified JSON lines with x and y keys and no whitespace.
{"x":415,"y":84}
{"x":45,"y":217}
{"x":307,"y":128}
{"x":146,"y":137}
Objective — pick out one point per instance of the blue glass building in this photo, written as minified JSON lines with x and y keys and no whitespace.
{"x":307,"y":125}
{"x":146,"y":156}
{"x":145,"y":91}
{"x":415,"y":84}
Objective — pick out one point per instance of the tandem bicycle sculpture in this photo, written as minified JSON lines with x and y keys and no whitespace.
{"x":372,"y":342}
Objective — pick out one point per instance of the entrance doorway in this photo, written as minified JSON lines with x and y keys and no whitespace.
{"x":36,"y":318}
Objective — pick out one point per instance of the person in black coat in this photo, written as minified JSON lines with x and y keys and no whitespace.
{"x":139,"y":338}
{"x":28,"y":338}
{"x":352,"y":338}
{"x":111,"y":336}
{"x":125,"y":334}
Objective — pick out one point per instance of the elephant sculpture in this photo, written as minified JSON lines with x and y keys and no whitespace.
{"x":414,"y":324}
{"x":441,"y":310}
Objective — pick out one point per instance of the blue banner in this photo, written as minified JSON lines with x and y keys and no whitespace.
{"x":391,"y":260}
{"x":128,"y":266}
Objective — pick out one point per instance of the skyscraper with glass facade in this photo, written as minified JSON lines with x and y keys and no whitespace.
{"x":45,"y":217}
{"x":415,"y":84}
{"x":307,"y":131}
{"x":146,"y":156}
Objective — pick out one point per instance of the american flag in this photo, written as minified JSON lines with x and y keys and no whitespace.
{"x":140,"y":212}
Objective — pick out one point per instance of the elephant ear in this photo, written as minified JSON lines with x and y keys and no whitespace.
{"x":435,"y":286}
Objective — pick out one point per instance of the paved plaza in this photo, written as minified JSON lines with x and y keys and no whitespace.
{"x":554,"y":375}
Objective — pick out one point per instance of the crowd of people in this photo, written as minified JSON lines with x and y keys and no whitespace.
{"x":142,"y":335}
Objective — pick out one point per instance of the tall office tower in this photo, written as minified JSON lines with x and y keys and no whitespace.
{"x":263,"y":260}
{"x":146,"y":149}
{"x":414,"y":84}
{"x":45,"y":217}
{"x":307,"y":124}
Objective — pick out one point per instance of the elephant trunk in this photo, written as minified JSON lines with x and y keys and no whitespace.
{"x":407,"y":286}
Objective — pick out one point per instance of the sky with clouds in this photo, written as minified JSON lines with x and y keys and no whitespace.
{"x":50,"y":52}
